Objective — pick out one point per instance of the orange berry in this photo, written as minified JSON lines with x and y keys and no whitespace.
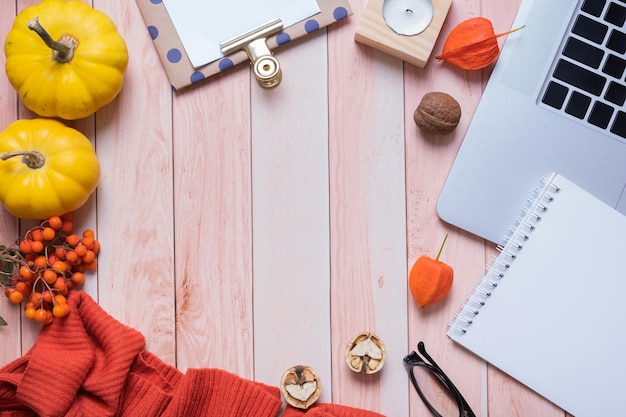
{"x":52,"y":259}
{"x":25,"y":272}
{"x":68,"y":216}
{"x":41,"y":315}
{"x":49,"y":318}
{"x":89,"y":233}
{"x":36,"y":246}
{"x":25,"y":246}
{"x":40,"y":262}
{"x":49,"y":276}
{"x":91,"y":266}
{"x":72,"y":239}
{"x":37,"y":234}
{"x":60,"y":252}
{"x":81,"y":250}
{"x":67,"y":226}
{"x":55,"y":222}
{"x":60,"y":299}
{"x":78,"y":278}
{"x":71,"y":256}
{"x":60,"y":286}
{"x":36,"y":298}
{"x":47,"y":296}
{"x":88,"y":241}
{"x":24,"y":288}
{"x":60,"y":310}
{"x":15,"y":296}
{"x":59,"y":266}
{"x":89,"y":257}
{"x":48,"y":233}
{"x":96,"y":246}
{"x":30,"y":313}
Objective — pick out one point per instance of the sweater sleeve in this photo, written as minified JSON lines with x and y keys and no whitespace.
{"x":215,"y":392}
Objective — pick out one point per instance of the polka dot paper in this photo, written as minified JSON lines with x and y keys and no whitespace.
{"x":177,"y":64}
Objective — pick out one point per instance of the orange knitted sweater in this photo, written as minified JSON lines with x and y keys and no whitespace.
{"x":89,"y":364}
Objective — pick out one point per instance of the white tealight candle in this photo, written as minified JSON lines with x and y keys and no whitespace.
{"x":408,"y":17}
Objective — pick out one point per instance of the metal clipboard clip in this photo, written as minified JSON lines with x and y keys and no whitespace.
{"x":265,"y":66}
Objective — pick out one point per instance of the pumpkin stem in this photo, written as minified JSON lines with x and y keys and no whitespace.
{"x":62,"y":50}
{"x":33,"y":159}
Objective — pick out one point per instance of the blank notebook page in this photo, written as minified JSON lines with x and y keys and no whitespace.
{"x":554,"y":321}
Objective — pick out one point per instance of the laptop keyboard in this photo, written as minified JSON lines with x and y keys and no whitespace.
{"x":588,"y":81}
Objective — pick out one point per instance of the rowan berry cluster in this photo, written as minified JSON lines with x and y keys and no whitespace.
{"x":45,"y":264}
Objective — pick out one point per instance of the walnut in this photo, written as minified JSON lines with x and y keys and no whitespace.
{"x":300,"y":386}
{"x":365,"y":354}
{"x":437,"y":113}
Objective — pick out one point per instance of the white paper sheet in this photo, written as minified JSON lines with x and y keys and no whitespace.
{"x":202,"y":25}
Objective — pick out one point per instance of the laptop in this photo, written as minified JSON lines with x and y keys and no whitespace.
{"x":554,"y":103}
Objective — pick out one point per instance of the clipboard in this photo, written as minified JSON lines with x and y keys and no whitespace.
{"x":177,"y":64}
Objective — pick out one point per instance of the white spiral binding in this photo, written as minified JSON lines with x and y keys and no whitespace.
{"x":514,"y":243}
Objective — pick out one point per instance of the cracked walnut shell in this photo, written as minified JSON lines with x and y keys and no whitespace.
{"x":366,"y":354}
{"x":300,"y":386}
{"x":437,"y":113}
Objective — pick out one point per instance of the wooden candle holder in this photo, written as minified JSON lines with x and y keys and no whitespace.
{"x":373,"y":31}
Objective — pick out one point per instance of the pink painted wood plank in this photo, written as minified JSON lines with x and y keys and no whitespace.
{"x":135,"y":195}
{"x":10,"y":348}
{"x":368,"y":216}
{"x":290,"y":217}
{"x":429,"y":158}
{"x":213,"y":241}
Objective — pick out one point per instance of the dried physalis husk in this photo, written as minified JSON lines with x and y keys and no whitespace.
{"x":366,"y":354}
{"x":300,"y":386}
{"x":472,"y":44}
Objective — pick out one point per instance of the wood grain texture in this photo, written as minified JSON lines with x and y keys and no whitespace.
{"x":428,"y":160}
{"x":374,"y":31}
{"x":290,"y":217}
{"x":253,"y":230}
{"x":367,"y":205}
{"x":134,"y":142}
{"x":213,"y":223}
{"x":10,"y":347}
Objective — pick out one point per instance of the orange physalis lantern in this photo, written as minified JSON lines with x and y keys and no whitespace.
{"x":430,"y":279}
{"x":472,"y":44}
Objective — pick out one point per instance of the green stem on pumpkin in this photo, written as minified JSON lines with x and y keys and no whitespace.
{"x":441,"y":248}
{"x":62,"y":50}
{"x":33,"y":159}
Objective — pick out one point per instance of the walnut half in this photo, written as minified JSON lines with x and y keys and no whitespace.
{"x":366,"y":354}
{"x":437,"y":113}
{"x":300,"y":386}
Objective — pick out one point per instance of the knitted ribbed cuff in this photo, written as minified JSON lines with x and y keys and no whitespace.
{"x":214,"y":392}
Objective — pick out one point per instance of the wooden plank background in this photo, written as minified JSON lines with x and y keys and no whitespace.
{"x":253,"y":230}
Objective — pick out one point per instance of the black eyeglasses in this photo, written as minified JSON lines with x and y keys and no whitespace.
{"x":427,"y":370}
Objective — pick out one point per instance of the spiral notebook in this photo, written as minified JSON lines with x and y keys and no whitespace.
{"x":548,"y":310}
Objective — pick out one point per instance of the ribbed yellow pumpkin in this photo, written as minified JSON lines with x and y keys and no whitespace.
{"x":46,"y":168}
{"x":65,"y":58}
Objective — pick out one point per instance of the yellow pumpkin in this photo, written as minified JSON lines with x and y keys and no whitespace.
{"x":46,"y":168}
{"x":65,"y":58}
